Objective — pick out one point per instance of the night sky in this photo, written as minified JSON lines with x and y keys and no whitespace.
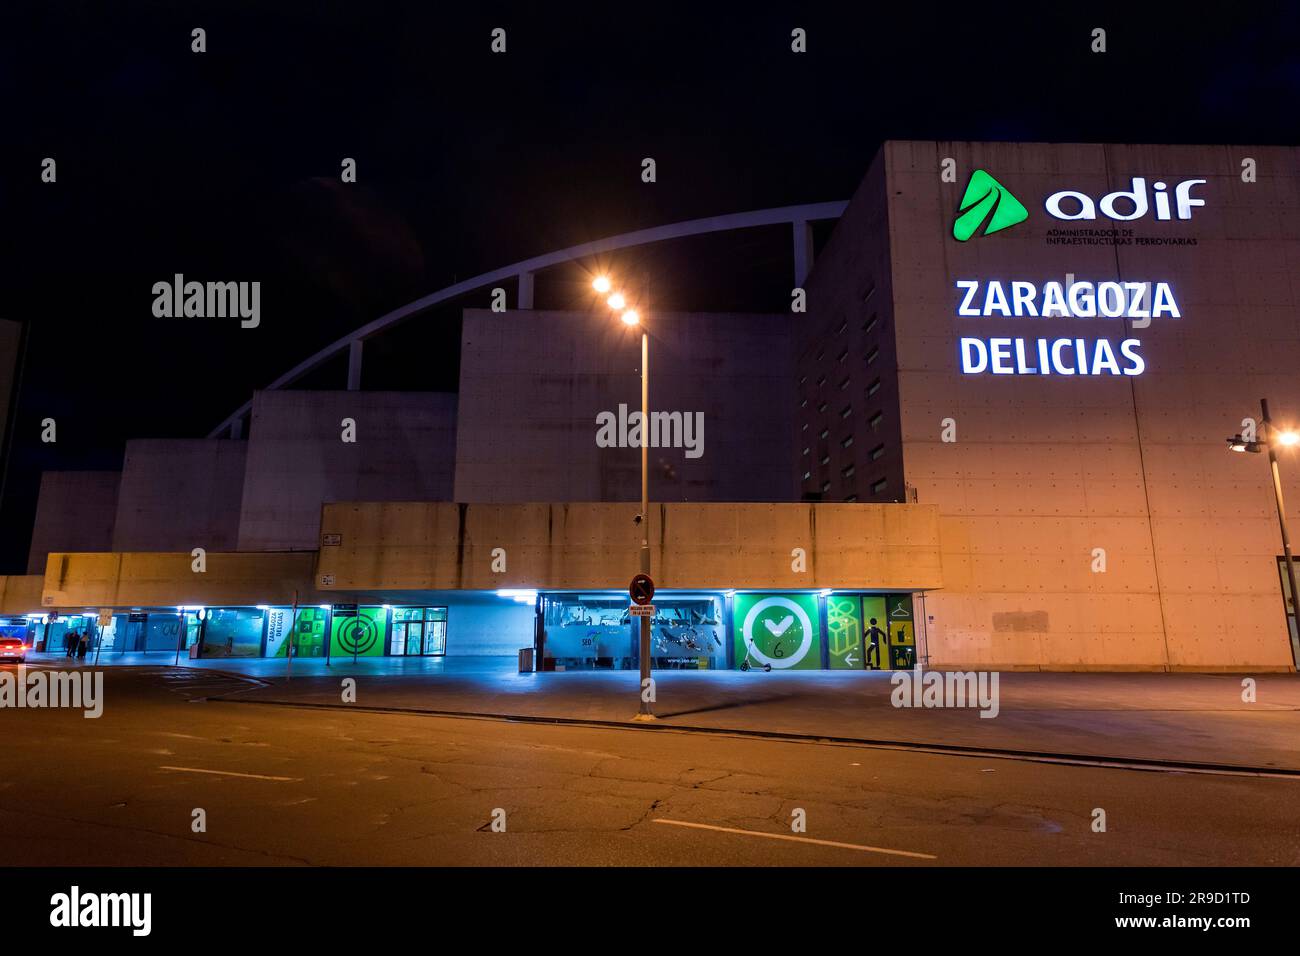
{"x":225,"y":165}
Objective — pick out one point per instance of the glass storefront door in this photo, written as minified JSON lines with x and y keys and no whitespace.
{"x":419,"y":632}
{"x":435,"y":633}
{"x":413,"y":637}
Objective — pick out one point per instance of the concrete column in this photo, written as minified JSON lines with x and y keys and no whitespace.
{"x":525,"y":290}
{"x":354,"y":365}
{"x":803,"y":251}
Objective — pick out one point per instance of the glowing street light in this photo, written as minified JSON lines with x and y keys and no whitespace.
{"x":630,"y":317}
{"x":1266,"y":440}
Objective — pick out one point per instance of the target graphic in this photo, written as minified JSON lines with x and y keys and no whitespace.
{"x":358,"y":635}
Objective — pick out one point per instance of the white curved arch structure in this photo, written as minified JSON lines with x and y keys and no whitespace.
{"x":800,"y":217}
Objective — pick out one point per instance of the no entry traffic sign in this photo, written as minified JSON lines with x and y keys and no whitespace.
{"x":641,"y":590}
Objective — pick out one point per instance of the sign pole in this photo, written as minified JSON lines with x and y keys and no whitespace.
{"x":99,"y":638}
{"x":293,"y":638}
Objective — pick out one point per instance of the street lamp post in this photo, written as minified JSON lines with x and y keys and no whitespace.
{"x":618,"y":302}
{"x":646,"y":712}
{"x":1287,"y":438}
{"x":1268,"y":440}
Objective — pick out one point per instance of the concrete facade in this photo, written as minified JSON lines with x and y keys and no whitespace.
{"x":594,"y":546}
{"x":177,"y":495}
{"x":123,"y":580}
{"x":75,"y":512}
{"x":297,"y":458}
{"x":533,"y":383}
{"x":1047,"y":468}
{"x":849,"y":429}
{"x":20,"y":593}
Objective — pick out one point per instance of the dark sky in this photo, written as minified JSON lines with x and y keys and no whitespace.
{"x":225,"y":165}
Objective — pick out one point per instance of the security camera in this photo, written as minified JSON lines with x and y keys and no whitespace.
{"x":636,"y":520}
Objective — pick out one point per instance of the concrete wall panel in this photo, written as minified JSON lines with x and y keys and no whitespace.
{"x":532,"y":384}
{"x":21,"y":593}
{"x":129,"y":579}
{"x":75,"y":512}
{"x":405,"y":442}
{"x":595,"y":546}
{"x":177,"y":495}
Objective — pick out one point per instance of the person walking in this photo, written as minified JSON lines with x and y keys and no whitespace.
{"x":69,"y":642}
{"x":83,"y":645}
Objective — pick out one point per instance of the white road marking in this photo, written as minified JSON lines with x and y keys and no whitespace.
{"x":798,"y":839}
{"x":229,"y":773}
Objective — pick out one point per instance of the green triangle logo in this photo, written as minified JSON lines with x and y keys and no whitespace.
{"x":986,"y":203}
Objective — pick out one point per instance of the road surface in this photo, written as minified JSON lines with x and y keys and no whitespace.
{"x":285,"y":785}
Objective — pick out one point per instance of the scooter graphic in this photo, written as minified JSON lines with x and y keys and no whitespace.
{"x":746,"y":665}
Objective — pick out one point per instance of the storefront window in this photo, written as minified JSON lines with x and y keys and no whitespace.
{"x":870,"y":632}
{"x":359,"y":633}
{"x":306,"y":628}
{"x":233,"y":632}
{"x":162,"y":631}
{"x":58,"y":630}
{"x":902,"y":631}
{"x":777,"y":631}
{"x":588,"y":631}
{"x":418,"y":631}
{"x":688,"y":632}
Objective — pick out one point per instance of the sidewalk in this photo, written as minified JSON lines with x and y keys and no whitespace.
{"x":1171,"y":717}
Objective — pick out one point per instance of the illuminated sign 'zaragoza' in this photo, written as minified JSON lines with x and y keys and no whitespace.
{"x":1129,"y":300}
{"x":1060,"y":356}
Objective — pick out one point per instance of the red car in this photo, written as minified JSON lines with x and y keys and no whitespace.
{"x":13,"y":649}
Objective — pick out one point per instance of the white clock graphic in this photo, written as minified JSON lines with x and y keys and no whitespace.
{"x":777,"y":628}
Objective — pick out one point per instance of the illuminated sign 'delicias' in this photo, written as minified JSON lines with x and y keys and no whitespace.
{"x":1060,"y":356}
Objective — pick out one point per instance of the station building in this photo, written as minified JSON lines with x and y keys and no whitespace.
{"x":993,"y":422}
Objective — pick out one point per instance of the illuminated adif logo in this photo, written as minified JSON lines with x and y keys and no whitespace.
{"x":988,"y":204}
{"x":1126,"y":205}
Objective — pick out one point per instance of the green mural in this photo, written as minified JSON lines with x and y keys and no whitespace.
{"x":873,"y":609}
{"x":902,"y":632}
{"x":360,"y":634}
{"x":844,"y":631}
{"x":308,"y":630}
{"x":777,"y":629}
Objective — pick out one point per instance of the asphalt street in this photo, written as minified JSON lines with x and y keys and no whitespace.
{"x":286,"y":785}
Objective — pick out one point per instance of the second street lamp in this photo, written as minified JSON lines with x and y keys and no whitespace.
{"x":1267,"y":440}
{"x":631,"y":317}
